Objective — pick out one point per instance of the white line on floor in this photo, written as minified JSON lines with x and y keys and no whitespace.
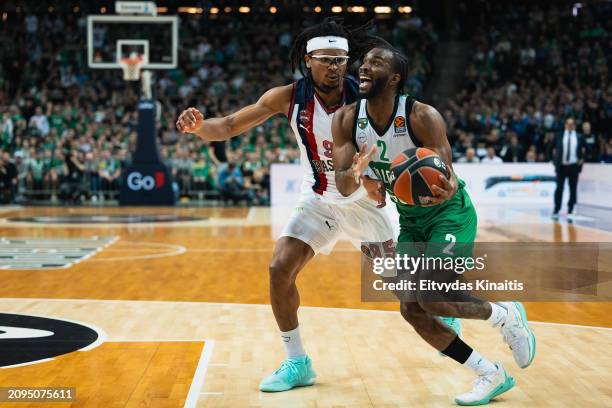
{"x":198,"y":379}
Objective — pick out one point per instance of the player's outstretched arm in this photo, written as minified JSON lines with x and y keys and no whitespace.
{"x":275,"y":100}
{"x":430,"y":129}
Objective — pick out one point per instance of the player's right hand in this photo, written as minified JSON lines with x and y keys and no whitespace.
{"x":190,"y":121}
{"x":361,"y":160}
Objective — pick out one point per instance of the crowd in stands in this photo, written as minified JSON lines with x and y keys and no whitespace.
{"x":533,"y":67}
{"x":67,"y":130}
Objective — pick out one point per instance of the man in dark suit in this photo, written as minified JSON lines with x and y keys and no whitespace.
{"x":568,"y":154}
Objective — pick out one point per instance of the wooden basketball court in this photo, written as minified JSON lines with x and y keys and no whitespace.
{"x":181,"y":308}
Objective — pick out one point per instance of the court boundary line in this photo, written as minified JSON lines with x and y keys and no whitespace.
{"x":338,"y":309}
{"x":42,"y":360}
{"x":4,"y":222}
{"x":177,"y":250}
{"x":197,"y":382}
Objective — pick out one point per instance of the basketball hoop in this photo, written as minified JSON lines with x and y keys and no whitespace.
{"x":131,"y":67}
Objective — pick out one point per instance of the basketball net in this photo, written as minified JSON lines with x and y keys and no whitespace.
{"x":131,"y":67}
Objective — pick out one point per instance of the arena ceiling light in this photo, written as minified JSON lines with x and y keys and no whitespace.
{"x":190,"y":10}
{"x":162,"y":10}
{"x":227,"y":9}
{"x":382,"y":9}
{"x":357,"y":9}
{"x":273,"y":10}
{"x":317,"y":9}
{"x":405,"y":9}
{"x":244,"y":9}
{"x":214,"y":10}
{"x":336,"y":9}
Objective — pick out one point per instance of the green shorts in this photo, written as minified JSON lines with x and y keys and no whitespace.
{"x":449,"y":229}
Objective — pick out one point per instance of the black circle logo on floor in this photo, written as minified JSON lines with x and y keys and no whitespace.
{"x":106,"y":219}
{"x":27,"y":339}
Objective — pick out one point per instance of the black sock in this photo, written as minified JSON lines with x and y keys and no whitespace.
{"x":458,"y":350}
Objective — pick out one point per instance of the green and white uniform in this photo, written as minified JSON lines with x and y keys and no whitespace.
{"x":453,"y":221}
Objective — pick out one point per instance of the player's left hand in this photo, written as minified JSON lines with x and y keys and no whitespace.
{"x":441,"y":194}
{"x":376,"y":190}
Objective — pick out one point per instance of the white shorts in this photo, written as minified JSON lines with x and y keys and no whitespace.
{"x":320,"y":224}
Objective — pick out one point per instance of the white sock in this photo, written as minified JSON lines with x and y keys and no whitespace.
{"x":479,"y":364}
{"x":498,"y":315}
{"x":293,"y":343}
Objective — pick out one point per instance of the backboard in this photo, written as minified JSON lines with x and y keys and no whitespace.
{"x":112,"y":37}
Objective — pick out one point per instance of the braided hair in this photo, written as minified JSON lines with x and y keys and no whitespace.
{"x":358,"y":38}
{"x":400,"y":66}
{"x":360,"y":42}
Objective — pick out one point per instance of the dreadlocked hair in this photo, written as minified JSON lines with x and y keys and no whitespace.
{"x":358,"y":38}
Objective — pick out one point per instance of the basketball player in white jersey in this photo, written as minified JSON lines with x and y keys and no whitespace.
{"x":322,"y":213}
{"x":391,"y":123}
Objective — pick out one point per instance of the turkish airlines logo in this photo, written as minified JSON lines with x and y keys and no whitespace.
{"x":136,"y":181}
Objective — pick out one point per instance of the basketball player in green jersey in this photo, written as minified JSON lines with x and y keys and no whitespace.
{"x":390,"y":123}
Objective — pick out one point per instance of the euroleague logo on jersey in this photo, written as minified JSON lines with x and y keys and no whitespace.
{"x":399,"y":124}
{"x":136,"y":181}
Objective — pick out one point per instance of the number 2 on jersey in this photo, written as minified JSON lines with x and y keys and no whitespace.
{"x":383,"y":146}
{"x":448,"y":250}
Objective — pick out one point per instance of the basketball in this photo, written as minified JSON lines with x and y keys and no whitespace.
{"x":414,"y":172}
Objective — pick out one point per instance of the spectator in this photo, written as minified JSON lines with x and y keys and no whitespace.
{"x":22,"y":171}
{"x":470,"y":156}
{"x":8,"y":179}
{"x":231,"y":184}
{"x":92,"y":167}
{"x":73,"y":189}
{"x":491,"y":157}
{"x":109,"y":172}
{"x":512,"y":152}
{"x":531,"y":156}
{"x":34,"y":178}
{"x":591,"y":143}
{"x":6,"y":137}
{"x":606,"y":157}
{"x":39,"y":122}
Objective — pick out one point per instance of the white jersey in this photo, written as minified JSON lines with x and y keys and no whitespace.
{"x":394,"y":139}
{"x":311,"y":122}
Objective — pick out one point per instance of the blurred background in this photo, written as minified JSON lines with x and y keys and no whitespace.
{"x":505,"y":75}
